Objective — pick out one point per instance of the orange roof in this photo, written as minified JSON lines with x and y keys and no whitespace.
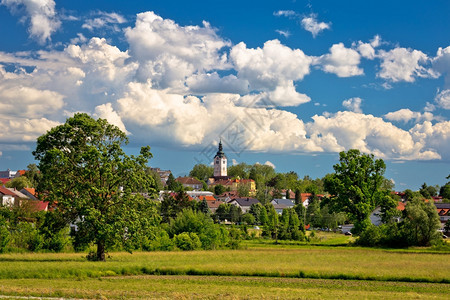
{"x":305,"y":196}
{"x":207,"y":198}
{"x":32,"y":191}
{"x":21,"y":172}
{"x":401,"y":206}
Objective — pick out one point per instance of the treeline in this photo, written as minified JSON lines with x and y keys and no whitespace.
{"x":188,"y":227}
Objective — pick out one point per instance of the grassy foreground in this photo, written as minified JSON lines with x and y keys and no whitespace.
{"x":268,"y":271}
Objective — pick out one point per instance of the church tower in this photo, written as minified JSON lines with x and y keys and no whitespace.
{"x":220,"y":163}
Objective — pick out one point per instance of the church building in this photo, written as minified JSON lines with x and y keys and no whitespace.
{"x":220,"y":164}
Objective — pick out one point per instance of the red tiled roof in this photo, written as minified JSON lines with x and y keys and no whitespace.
{"x":39,"y":205}
{"x":4,"y":180}
{"x":5,"y":191}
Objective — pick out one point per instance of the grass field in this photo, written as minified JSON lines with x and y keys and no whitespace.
{"x":262,"y":270}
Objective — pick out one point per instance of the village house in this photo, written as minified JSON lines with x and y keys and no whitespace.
{"x":8,"y":198}
{"x":163,"y":174}
{"x":443,"y":210}
{"x":211,"y":201}
{"x":190,"y":182}
{"x":244,"y":203}
{"x":280,"y":204}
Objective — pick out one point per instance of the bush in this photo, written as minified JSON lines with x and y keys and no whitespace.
{"x":187,"y":241}
{"x":370,"y":237}
{"x":25,"y":236}
{"x":4,"y":236}
{"x":56,"y":241}
{"x":158,"y":240}
{"x":211,"y":235}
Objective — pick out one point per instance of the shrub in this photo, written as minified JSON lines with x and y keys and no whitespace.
{"x":187,"y":241}
{"x":158,"y":240}
{"x":211,"y":235}
{"x":25,"y":236}
{"x":371,"y":236}
{"x":4,"y":235}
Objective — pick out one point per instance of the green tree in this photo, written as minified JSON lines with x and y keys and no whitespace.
{"x":202,"y":172}
{"x":4,"y":234}
{"x":203,"y":207}
{"x":159,"y":184}
{"x":421,"y":222}
{"x":173,"y":185}
{"x":240,"y":170}
{"x":219,"y":189}
{"x":223,"y":212}
{"x":428,"y":191}
{"x":271,"y":227}
{"x":92,"y":181}
{"x":447,"y":226}
{"x":171,"y":205}
{"x":355,"y":187}
{"x":33,"y":174}
{"x":313,"y":215}
{"x":243,"y":189}
{"x":444,"y":191}
{"x":298,"y":197}
{"x":19,"y":183}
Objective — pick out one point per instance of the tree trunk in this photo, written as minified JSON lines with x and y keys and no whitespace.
{"x":101,"y":251}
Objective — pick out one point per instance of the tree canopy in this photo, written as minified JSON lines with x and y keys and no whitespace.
{"x":93,"y":182}
{"x":355,"y":187}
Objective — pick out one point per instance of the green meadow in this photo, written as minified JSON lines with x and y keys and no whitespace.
{"x":261,"y":270}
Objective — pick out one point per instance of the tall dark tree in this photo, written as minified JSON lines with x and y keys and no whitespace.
{"x":355,"y":187}
{"x":173,"y":185}
{"x":92,"y":181}
{"x":219,"y":189}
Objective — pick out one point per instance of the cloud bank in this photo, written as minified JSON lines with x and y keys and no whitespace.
{"x":184,"y":86}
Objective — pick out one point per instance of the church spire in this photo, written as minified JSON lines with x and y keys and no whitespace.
{"x":220,"y":153}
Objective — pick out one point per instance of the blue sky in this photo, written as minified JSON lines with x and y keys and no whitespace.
{"x":288,"y":83}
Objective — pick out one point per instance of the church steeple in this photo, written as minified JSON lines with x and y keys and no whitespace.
{"x":220,"y":162}
{"x":220,"y":153}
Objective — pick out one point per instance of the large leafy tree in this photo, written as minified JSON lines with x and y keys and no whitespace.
{"x":92,"y":182}
{"x":202,"y":172}
{"x":355,"y":187}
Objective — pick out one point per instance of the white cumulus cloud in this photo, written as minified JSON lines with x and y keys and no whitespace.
{"x":311,"y":24}
{"x":401,"y":64}
{"x":41,"y":14}
{"x":353,"y":104}
{"x":168,"y":53}
{"x":272,"y":69}
{"x":442,"y":99}
{"x":407,"y":115}
{"x":344,"y":62}
{"x":104,"y":19}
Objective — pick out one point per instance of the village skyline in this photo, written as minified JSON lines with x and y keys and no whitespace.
{"x":291,"y":84}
